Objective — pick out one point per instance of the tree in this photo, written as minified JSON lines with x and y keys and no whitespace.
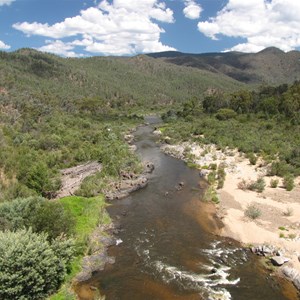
{"x":39,"y":214}
{"x":241,"y":101}
{"x":31,"y":267}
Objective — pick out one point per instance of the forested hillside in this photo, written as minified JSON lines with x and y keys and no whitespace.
{"x":131,"y":81}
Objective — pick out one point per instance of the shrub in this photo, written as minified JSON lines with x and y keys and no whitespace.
{"x":36,"y":212}
{"x":252,"y":211}
{"x":225,"y":114}
{"x":17,"y":213}
{"x":252,"y":158}
{"x":279,"y":168}
{"x":31,"y":267}
{"x":288,"y":212}
{"x":211,"y":195}
{"x":288,"y":182}
{"x":211,"y":177}
{"x":51,"y":217}
{"x":213,"y":166}
{"x":221,"y":174}
{"x":274,"y":183}
{"x":258,"y":185}
{"x":243,"y":185}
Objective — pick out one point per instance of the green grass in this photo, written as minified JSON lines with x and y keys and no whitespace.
{"x":88,"y":213}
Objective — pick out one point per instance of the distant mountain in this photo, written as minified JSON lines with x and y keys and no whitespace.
{"x":269,"y":66}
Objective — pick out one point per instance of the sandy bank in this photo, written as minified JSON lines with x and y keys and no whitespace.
{"x":279,"y":223}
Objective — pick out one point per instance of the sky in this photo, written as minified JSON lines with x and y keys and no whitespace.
{"x":74,"y":28}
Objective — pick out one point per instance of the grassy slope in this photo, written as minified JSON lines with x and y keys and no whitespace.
{"x":88,"y":213}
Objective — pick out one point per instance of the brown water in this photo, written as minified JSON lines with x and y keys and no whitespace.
{"x":166,"y":248}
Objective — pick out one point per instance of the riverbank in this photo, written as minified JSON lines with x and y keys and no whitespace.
{"x":278,"y":225}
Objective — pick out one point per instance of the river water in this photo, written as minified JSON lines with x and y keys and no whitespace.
{"x":167,"y":248}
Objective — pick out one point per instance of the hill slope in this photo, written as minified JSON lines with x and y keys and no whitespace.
{"x":140,"y":80}
{"x":269,"y":66}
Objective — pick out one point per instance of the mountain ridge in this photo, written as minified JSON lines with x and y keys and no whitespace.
{"x":268,"y":66}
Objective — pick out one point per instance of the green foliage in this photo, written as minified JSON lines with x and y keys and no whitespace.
{"x":51,"y":217}
{"x":211,"y":177}
{"x":18,"y":213}
{"x":258,"y":185}
{"x":87,"y":212}
{"x":37,"y":213}
{"x":252,"y":212}
{"x":274,"y":138}
{"x":31,"y":267}
{"x":211,"y":195}
{"x":274,"y":183}
{"x":225,"y":114}
{"x":221,"y":175}
{"x":288,"y":182}
{"x":252,"y":158}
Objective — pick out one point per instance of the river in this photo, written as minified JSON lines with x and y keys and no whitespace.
{"x":168,"y":248}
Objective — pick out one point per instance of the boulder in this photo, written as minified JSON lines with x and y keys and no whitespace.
{"x":293,"y":275}
{"x":203,"y":172}
{"x":279,"y":260}
{"x":148,"y":167}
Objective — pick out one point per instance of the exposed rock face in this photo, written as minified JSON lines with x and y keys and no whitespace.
{"x":72,"y":178}
{"x":265,"y":250}
{"x":129,"y":183}
{"x":126,"y":186}
{"x":293,"y":275}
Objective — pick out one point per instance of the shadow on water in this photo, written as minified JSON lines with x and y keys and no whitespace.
{"x":169,"y":248}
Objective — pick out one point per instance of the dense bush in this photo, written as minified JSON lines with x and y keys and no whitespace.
{"x":225,"y":114}
{"x":38,"y":213}
{"x":53,"y":218}
{"x":31,"y":267}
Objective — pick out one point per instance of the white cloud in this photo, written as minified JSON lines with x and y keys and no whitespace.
{"x":117,"y":28}
{"x":4,"y":46}
{"x":58,"y":47}
{"x":192,"y":9}
{"x":6,"y":2}
{"x":263,"y":23}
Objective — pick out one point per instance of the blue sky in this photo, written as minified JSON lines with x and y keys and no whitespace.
{"x":128,"y":27}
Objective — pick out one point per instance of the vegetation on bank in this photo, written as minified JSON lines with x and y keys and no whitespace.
{"x":264,"y":123}
{"x":42,"y":244}
{"x":88,"y":214}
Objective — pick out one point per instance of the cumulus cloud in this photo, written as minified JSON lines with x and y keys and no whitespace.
{"x":6,"y":2}
{"x":117,"y":28}
{"x":262,"y":23}
{"x":58,"y":47}
{"x":4,"y":46}
{"x":192,"y":9}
